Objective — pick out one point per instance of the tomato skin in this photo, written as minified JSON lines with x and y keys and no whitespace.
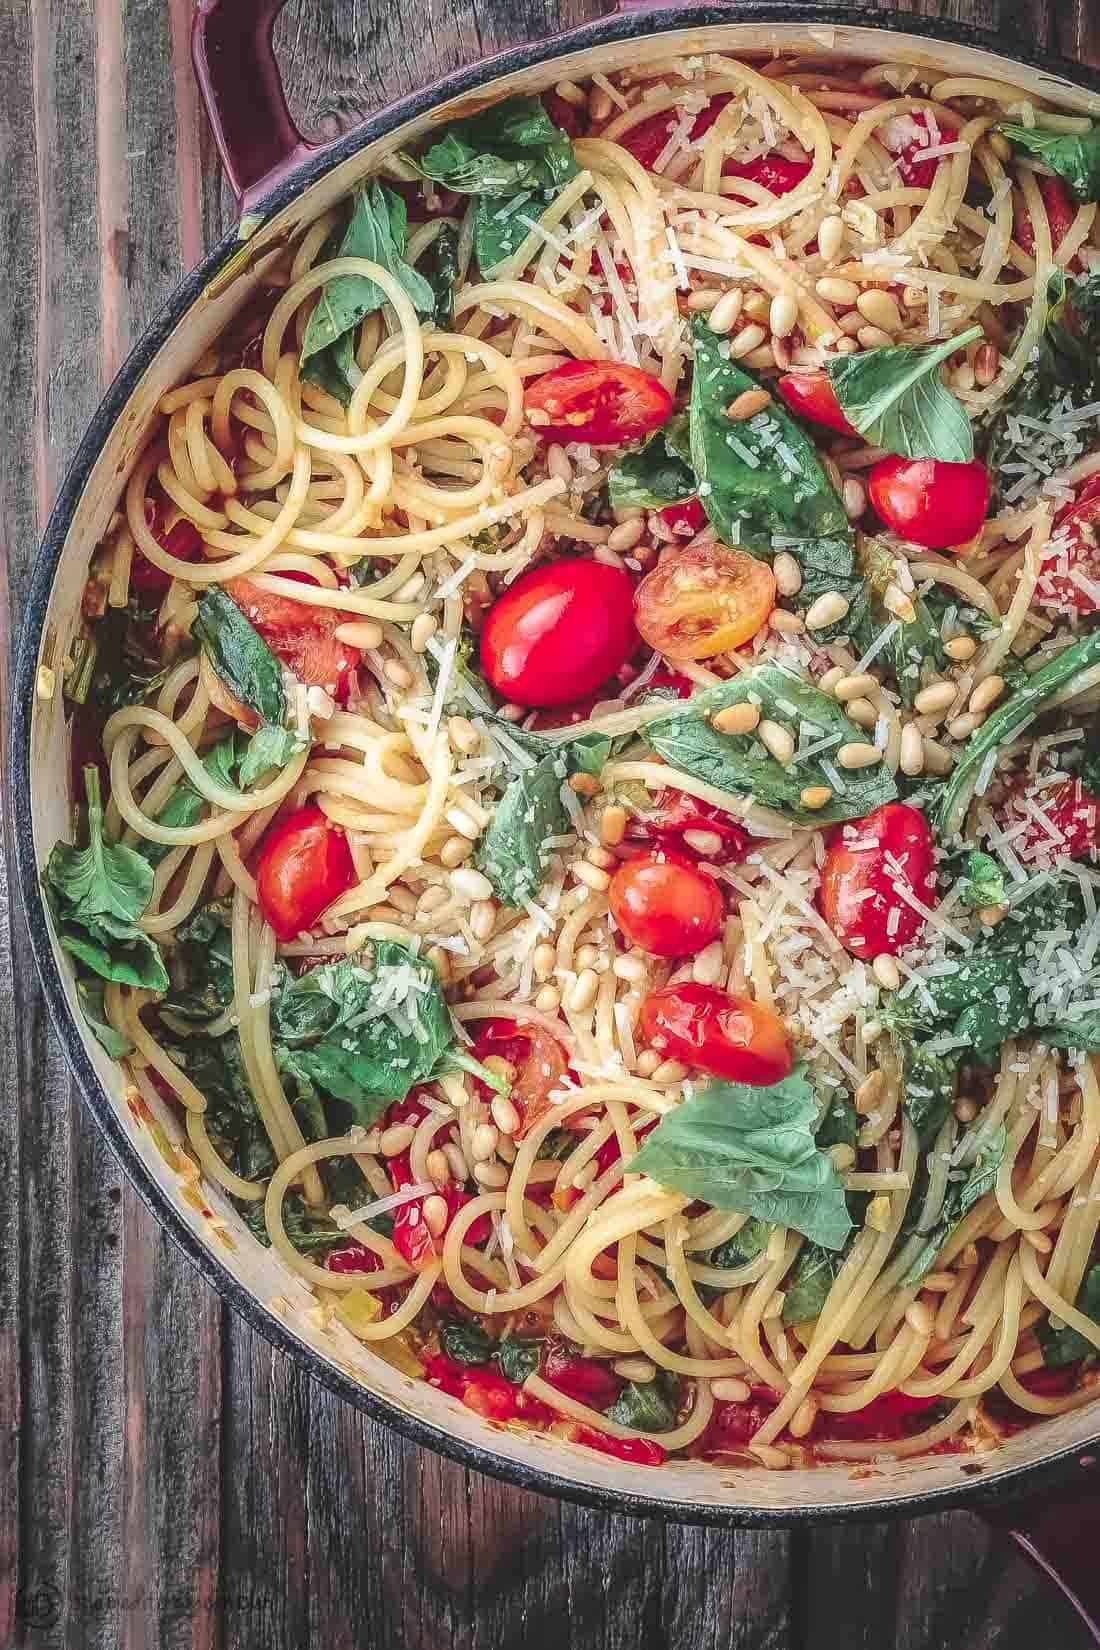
{"x":929,"y":502}
{"x":675,"y":813}
{"x":642,"y":1452}
{"x":568,"y":117}
{"x":810,"y":395}
{"x":300,"y":635}
{"x":775,"y":172}
{"x":586,"y":1379}
{"x":183,"y":540}
{"x":685,"y":518}
{"x":1072,"y":810}
{"x":1061,"y":213}
{"x":723,"y":1035}
{"x":913,"y":170}
{"x":354,"y":1258}
{"x":666,"y":906}
{"x":732,"y":1426}
{"x":539,"y":1060}
{"x":559,"y":632}
{"x":855,"y":861}
{"x":603,"y":402}
{"x":303,"y":864}
{"x":488,"y":1393}
{"x":1074,"y":547}
{"x":703,"y":599}
{"x":889,"y":1417}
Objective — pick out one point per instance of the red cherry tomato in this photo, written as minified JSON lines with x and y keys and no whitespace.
{"x":303,"y":864}
{"x":719,"y":1033}
{"x":539,"y":1060}
{"x":703,"y":599}
{"x":1069,"y":810}
{"x":182,"y":540}
{"x":692,"y":828}
{"x":491,"y":1395}
{"x":558,"y":632}
{"x":913,"y":170}
{"x":353,"y":1258}
{"x":567,"y":117}
{"x":665,"y":905}
{"x":733,"y":1425}
{"x":586,"y":1379}
{"x":300,"y":635}
{"x":685,"y":518}
{"x":641,"y":1452}
{"x":774,"y":172}
{"x":603,"y":402}
{"x":811,"y":396}
{"x":1061,"y":213}
{"x":865,"y":861}
{"x":1070,"y":578}
{"x":412,"y":1238}
{"x":894,"y":1415}
{"x":928,"y":502}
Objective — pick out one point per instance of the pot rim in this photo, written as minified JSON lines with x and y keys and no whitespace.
{"x":993,"y":1484}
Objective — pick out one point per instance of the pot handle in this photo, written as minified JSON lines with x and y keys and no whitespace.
{"x":242,"y":91}
{"x":1062,"y":1538}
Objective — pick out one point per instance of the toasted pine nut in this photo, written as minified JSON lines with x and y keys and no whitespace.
{"x":783,"y":315}
{"x":757,"y":306}
{"x":591,"y":876}
{"x":635,"y":1369}
{"x":708,"y":965}
{"x":434,"y":1212}
{"x":896,"y":602}
{"x":548,"y":999}
{"x":585,"y":784}
{"x":647,"y":1062}
{"x":828,"y":609}
{"x":703,"y":299}
{"x":670,"y":1071}
{"x":832,"y":679}
{"x":457,"y":1161}
{"x":834,"y":290}
{"x":934,"y":699}
{"x":788,"y":574}
{"x":424,"y":627}
{"x":570,"y":92}
{"x":787,"y":624}
{"x":919,"y":1318}
{"x":729,"y":1390}
{"x":854,"y":494}
{"x":869,"y":1092}
{"x":455,"y":850}
{"x":852,"y":323}
{"x":626,"y":535}
{"x":911,"y":758}
{"x":746,"y":340}
{"x":937,"y":759}
{"x":961,"y":727}
{"x":437,"y":1166}
{"x":801,"y":1423}
{"x":886,"y":972}
{"x":960,"y":648}
{"x":582,"y":993}
{"x":707,"y":843}
{"x":986,"y":694}
{"x":493,"y":1176}
{"x":858,"y":755}
{"x":463,"y":735}
{"x":741,"y":718}
{"x":599,"y":104}
{"x":483,"y":1142}
{"x":557,"y":462}
{"x":748,"y":404}
{"x":483,"y":919}
{"x":543,"y":958}
{"x":782,"y":353}
{"x":726,"y":310}
{"x":364,"y":633}
{"x":471,"y":884}
{"x":830,"y":238}
{"x":880,"y":309}
{"x":505,"y":1115}
{"x":857,"y":686}
{"x":398,"y":1138}
{"x":873,"y":337}
{"x":431,"y":899}
{"x":440,"y":961}
{"x":862,"y":712}
{"x":815,"y":796}
{"x":776,"y":740}
{"x":630,"y":968}
{"x":613,"y":825}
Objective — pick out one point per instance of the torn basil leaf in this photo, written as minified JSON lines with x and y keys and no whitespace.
{"x":239,"y":655}
{"x":513,"y":852}
{"x":654,"y":474}
{"x":1065,"y":1345}
{"x":1073,"y":156}
{"x":894,"y":396}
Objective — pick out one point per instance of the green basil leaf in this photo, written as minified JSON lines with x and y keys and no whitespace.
{"x":270,"y":747}
{"x":334,"y":369}
{"x":216,"y":1066}
{"x":982,"y":882}
{"x":185,"y":805}
{"x":895,"y":398}
{"x":501,"y":151}
{"x":752,"y":1149}
{"x":1074,"y":156}
{"x":377,"y":232}
{"x":439,"y":266}
{"x":1066,"y":1346}
{"x":914,"y":653}
{"x":518,"y":1358}
{"x":653,"y":474}
{"x":687,"y":740}
{"x":745,"y":1244}
{"x":807,"y":1285}
{"x":558,"y":1144}
{"x":89,"y":994}
{"x":839,"y":1124}
{"x":649,"y":1406}
{"x":240,"y":656}
{"x":310,"y":1232}
{"x":513,"y":851}
{"x":204,"y":949}
{"x":466,"y":1342}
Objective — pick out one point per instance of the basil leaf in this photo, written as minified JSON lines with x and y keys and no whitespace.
{"x":557,"y":1145}
{"x":895,"y":398}
{"x":650,"y":1406}
{"x":513,"y":852}
{"x":1078,"y":1031}
{"x":687,"y":740}
{"x":737,"y":1146}
{"x":377,"y":231}
{"x":839,"y":1125}
{"x":1066,"y":1346}
{"x":745,"y":1244}
{"x":216,"y":1066}
{"x":914,"y":653}
{"x":240,"y":655}
{"x":1074,"y":156}
{"x":807,"y":1285}
{"x":335,"y":369}
{"x":466,"y":1342}
{"x":439,"y":266}
{"x":89,"y":994}
{"x":959,"y":1198}
{"x":185,"y":805}
{"x":653,"y":474}
{"x":982,"y":882}
{"x":205,"y":950}
{"x":117,"y":661}
{"x":271,"y":747}
{"x":310,"y":1232}
{"x":518,"y":1358}
{"x":96,"y":895}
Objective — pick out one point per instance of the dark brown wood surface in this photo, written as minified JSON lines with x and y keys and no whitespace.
{"x":166,"y":1480}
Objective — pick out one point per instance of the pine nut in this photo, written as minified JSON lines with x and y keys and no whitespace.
{"x":557,"y":463}
{"x":586,"y":956}
{"x":858,"y":755}
{"x":897,"y":603}
{"x":837,"y":291}
{"x":543,"y":959}
{"x":914,"y":297}
{"x":482,"y":920}
{"x":933,"y":700}
{"x":854,"y":494}
{"x":878,"y":1213}
{"x":741,"y":718}
{"x":613,"y":825}
{"x":862,"y":712}
{"x":787,"y":624}
{"x":471,"y":884}
{"x":548,"y":999}
{"x":456,"y":1161}
{"x":505,"y":1115}
{"x":630,"y":968}
{"x":582,"y":993}
{"x":591,"y":876}
{"x":439,"y":959}
{"x":437,"y":1166}
{"x":726,"y":310}
{"x":873,"y":337}
{"x":455,"y":850}
{"x":757,"y":306}
{"x":500,"y":1067}
{"x":986,"y":694}
{"x":729,"y":1390}
{"x":483,"y":1142}
{"x":872,"y":1031}
{"x":844,"y":1157}
{"x":635,"y":1369}
{"x":987,"y":364}
{"x":493,"y":1176}
{"x":569,"y":92}
{"x":776,"y":740}
{"x":869,"y":1092}
{"x":857,"y":686}
{"x":424,"y":627}
{"x":830,"y":238}
{"x":746,"y":341}
{"x":965,"y":1109}
{"x":398,"y":1138}
{"x":707,"y":843}
{"x":647,"y":1062}
{"x":599,"y":104}
{"x":783,"y":315}
{"x":801,"y":1423}
{"x":431,"y":899}
{"x":826,"y":610}
{"x":961,"y":727}
{"x":708,"y":965}
{"x":937,"y":759}
{"x":832,"y":678}
{"x":782,"y":353}
{"x":670,"y":1071}
{"x":703,"y":299}
{"x":364,"y":633}
{"x":788,"y":574}
{"x":887,"y":973}
{"x":463,"y":823}
{"x":961,"y":648}
{"x":911,"y":759}
{"x":626,"y":535}
{"x":880,"y":309}
{"x":852,"y":323}
{"x":815,"y":796}
{"x":600,"y":856}
{"x":748,"y":404}
{"x":397,"y":673}
{"x":434,"y":1213}
{"x":463,"y":735}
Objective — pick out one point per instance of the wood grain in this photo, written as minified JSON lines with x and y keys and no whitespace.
{"x":167,"y":1482}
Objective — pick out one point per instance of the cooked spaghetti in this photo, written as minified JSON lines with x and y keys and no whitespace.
{"x":591,"y":786}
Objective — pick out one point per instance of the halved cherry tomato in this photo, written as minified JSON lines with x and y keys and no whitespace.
{"x":685,"y":518}
{"x":1069,"y":809}
{"x":641,"y":1452}
{"x":811,"y":396}
{"x":353,"y":1258}
{"x":182,"y":540}
{"x":733,"y":1425}
{"x":1061,"y":213}
{"x":774,"y":172}
{"x":603,"y":402}
{"x":1073,"y":554}
{"x":717,"y":1032}
{"x":539,"y":1060}
{"x":300,"y":635}
{"x":303,"y":864}
{"x":665,"y":905}
{"x":665,"y":677}
{"x":412,"y":1237}
{"x":487,"y":1392}
{"x":558,"y":632}
{"x":865,"y":862}
{"x":894,"y":1415}
{"x":929,"y":502}
{"x":683,"y":823}
{"x":569,"y":118}
{"x":913,"y":169}
{"x":703,"y":599}
{"x":586,"y":1379}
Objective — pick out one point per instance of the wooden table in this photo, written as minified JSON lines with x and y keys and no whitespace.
{"x":166,"y":1479}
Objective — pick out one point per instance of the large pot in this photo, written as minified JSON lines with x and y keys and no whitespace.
{"x":283,"y":184}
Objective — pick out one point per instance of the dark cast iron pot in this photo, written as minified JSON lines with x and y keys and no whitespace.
{"x":1043,"y":1485}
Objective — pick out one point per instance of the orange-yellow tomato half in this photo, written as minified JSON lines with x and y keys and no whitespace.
{"x":703,"y":599}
